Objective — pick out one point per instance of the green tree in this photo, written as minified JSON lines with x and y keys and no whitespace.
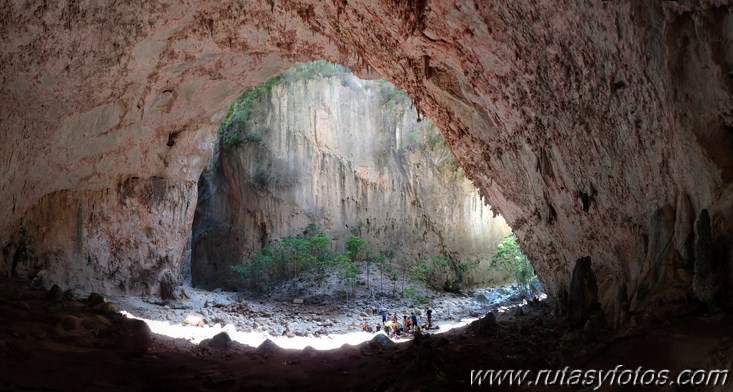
{"x":439,"y":271}
{"x":292,"y":257}
{"x":420,"y":272}
{"x":348,"y":271}
{"x":356,"y":249}
{"x":257,"y":274}
{"x":294,"y":254}
{"x":509,"y":257}
{"x":379,"y":257}
{"x":403,"y":266}
{"x":319,"y":248}
{"x":465,"y":269}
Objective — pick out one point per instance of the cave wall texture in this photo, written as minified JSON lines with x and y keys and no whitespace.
{"x":348,"y":155}
{"x":598,"y":129}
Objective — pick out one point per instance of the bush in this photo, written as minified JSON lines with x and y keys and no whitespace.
{"x":252,"y":137}
{"x":356,"y":247}
{"x":391,"y":95}
{"x":234,"y":140}
{"x":237,"y":119}
{"x":348,"y":271}
{"x":292,"y":257}
{"x":312,"y":70}
{"x":261,"y":176}
{"x":509,"y":257}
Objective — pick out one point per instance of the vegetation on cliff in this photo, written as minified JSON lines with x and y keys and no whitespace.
{"x":367,"y":256}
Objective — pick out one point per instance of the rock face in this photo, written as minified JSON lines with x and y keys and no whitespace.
{"x":600,"y":129}
{"x":348,"y":155}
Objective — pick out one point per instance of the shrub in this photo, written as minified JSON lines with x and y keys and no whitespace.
{"x":312,"y":70}
{"x":234,"y":140}
{"x":509,"y":257}
{"x":348,"y":271}
{"x":261,"y":176}
{"x":237,"y":119}
{"x":420,"y":271}
{"x":252,"y":137}
{"x":292,"y":257}
{"x":356,"y":247}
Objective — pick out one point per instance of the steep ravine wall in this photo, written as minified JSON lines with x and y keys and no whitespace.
{"x":336,"y":151}
{"x":596,"y":128}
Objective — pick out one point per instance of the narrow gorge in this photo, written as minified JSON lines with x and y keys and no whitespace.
{"x":345,"y":154}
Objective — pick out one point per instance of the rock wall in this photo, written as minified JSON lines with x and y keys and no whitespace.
{"x":598,"y":129}
{"x":338,"y":151}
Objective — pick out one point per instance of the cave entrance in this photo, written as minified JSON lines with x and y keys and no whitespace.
{"x":328,"y":200}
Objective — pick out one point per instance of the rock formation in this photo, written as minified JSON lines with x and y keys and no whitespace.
{"x":350,"y":156}
{"x":597,"y":129}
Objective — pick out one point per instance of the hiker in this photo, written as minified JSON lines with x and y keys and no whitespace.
{"x":430,"y":316}
{"x":379,"y":327}
{"x":406,"y":323}
{"x":394,"y":318}
{"x":388,"y":327}
{"x":384,"y":316}
{"x":413,"y":318}
{"x":366,"y":327}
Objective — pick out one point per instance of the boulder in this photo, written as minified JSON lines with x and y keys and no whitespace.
{"x":108,"y":308}
{"x":194,"y":319}
{"x":94,"y":299}
{"x":220,"y":342}
{"x":267,"y":347}
{"x":136,"y":336}
{"x":381,"y":341}
{"x":55,"y":294}
{"x":484,"y":326}
{"x":70,"y":323}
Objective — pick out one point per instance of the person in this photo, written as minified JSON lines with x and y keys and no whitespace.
{"x":365,"y":327}
{"x":429,"y":312}
{"x":413,"y":318}
{"x":394,"y":318}
{"x":406,"y":322}
{"x":379,"y":327}
{"x":388,"y":327}
{"x":384,"y":316}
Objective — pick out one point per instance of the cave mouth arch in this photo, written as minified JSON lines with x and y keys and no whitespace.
{"x":104,"y":109}
{"x":318,"y":119}
{"x":116,"y":151}
{"x":317,"y":145}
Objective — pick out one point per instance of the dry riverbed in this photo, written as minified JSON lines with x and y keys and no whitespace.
{"x":296,"y":321}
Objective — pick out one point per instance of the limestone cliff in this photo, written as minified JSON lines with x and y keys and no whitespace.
{"x":339,"y":152}
{"x":597,"y":129}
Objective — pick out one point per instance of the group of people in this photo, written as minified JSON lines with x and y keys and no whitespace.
{"x":395,"y":328}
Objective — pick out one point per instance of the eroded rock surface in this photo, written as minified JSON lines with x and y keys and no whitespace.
{"x":350,"y":156}
{"x":588,"y":125}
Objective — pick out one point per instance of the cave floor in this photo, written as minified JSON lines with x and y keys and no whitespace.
{"x":55,"y":344}
{"x":318,"y":321}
